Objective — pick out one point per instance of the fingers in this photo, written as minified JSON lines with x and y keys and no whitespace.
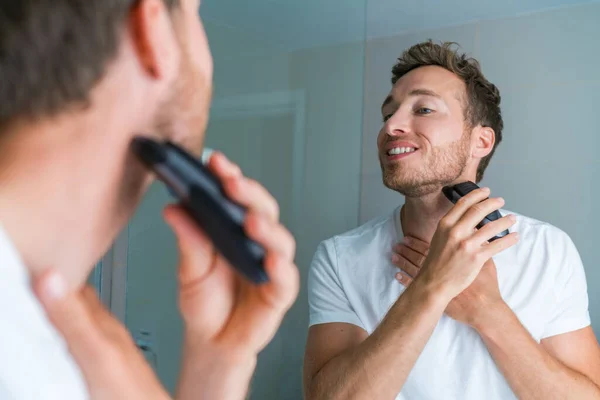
{"x":403,"y":278}
{"x":222,"y":167}
{"x":253,"y":196}
{"x":196,"y":250}
{"x":72,"y":315}
{"x":244,"y":191}
{"x":408,"y":260}
{"x":101,"y":346}
{"x":185,"y":228}
{"x":405,"y":265}
{"x":474,"y":215}
{"x":495,"y":247}
{"x":265,"y":306}
{"x":464,"y":204}
{"x":414,"y":257}
{"x":493,"y":228}
{"x":284,"y":282}
{"x":283,"y":286}
{"x":417,"y":245}
{"x":273,"y":236}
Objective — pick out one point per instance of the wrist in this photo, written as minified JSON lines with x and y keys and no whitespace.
{"x":217,"y":354}
{"x":211,"y":370}
{"x":436,"y":291}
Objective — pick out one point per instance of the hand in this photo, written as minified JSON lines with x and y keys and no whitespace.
{"x":471,"y":306}
{"x":220,"y":308}
{"x":458,"y":250}
{"x":111,"y":363}
{"x":479,"y":300}
{"x":409,"y":256}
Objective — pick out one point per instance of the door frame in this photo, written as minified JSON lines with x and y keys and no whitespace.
{"x":110,"y":275}
{"x":273,"y":104}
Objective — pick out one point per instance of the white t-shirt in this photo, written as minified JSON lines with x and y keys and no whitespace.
{"x":34,"y":361}
{"x":352,"y":280}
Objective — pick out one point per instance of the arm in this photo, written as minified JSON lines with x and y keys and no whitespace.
{"x":563,"y":366}
{"x":567,"y":362}
{"x":343,"y":362}
{"x":212,"y":374}
{"x":229,"y":320}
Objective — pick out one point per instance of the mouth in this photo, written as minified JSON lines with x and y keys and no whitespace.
{"x":400,"y":152}
{"x":394,"y":151}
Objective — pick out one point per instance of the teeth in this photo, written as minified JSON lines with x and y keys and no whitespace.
{"x":400,"y":150}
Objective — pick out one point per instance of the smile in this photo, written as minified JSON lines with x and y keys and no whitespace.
{"x":400,"y":150}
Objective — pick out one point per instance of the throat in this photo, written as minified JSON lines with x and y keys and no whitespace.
{"x":419,"y":217}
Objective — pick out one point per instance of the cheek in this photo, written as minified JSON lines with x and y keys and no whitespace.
{"x":381,"y":137}
{"x":438,"y":131}
{"x":198,"y":48}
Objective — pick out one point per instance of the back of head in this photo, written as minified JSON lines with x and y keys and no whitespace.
{"x":53,"y":52}
{"x":482,"y":105}
{"x":78,"y":80}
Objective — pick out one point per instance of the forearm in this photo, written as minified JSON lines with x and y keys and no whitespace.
{"x":379,"y":366}
{"x":208,"y":373}
{"x":529,"y":369}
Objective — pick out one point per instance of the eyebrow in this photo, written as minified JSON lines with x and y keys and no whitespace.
{"x":415,"y":92}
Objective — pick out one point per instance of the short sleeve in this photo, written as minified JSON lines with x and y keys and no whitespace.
{"x":326,"y":298}
{"x":570,"y":307}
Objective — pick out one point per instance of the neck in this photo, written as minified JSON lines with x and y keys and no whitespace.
{"x":420,"y":215}
{"x":62,"y":180}
{"x":53,"y":202}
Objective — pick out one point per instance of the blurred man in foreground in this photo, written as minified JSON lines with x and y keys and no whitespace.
{"x":80,"y":79}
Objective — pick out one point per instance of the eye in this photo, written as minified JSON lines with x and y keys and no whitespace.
{"x":424,"y":111}
{"x":386,"y":117}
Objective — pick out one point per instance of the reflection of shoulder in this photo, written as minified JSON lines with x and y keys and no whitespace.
{"x":531,"y":226}
{"x":366,"y":233}
{"x":354,"y":246}
{"x":543,"y":238}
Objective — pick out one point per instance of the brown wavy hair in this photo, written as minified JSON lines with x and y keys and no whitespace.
{"x":53,"y":52}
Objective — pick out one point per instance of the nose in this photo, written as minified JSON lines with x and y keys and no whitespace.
{"x":395,"y":132}
{"x":397,"y":125}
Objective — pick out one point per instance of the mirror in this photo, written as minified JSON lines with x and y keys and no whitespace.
{"x":298,"y":90}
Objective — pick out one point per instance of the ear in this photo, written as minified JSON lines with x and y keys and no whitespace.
{"x":483,"y":141}
{"x":154,"y":39}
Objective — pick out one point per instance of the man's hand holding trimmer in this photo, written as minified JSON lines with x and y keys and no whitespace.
{"x":459,"y":259}
{"x":228,"y":320}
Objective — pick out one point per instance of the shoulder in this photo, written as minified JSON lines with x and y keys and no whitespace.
{"x":548,"y":246}
{"x":535,"y":232}
{"x":356,"y":240}
{"x":365,"y":234}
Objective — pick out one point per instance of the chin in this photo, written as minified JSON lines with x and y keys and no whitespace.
{"x":414,"y":186}
{"x":426,"y":179}
{"x":415,"y":190}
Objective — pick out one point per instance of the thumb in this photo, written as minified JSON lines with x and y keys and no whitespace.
{"x":71,"y":316}
{"x":196,"y":250}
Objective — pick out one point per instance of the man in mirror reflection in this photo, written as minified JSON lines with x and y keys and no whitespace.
{"x":419,"y":304}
